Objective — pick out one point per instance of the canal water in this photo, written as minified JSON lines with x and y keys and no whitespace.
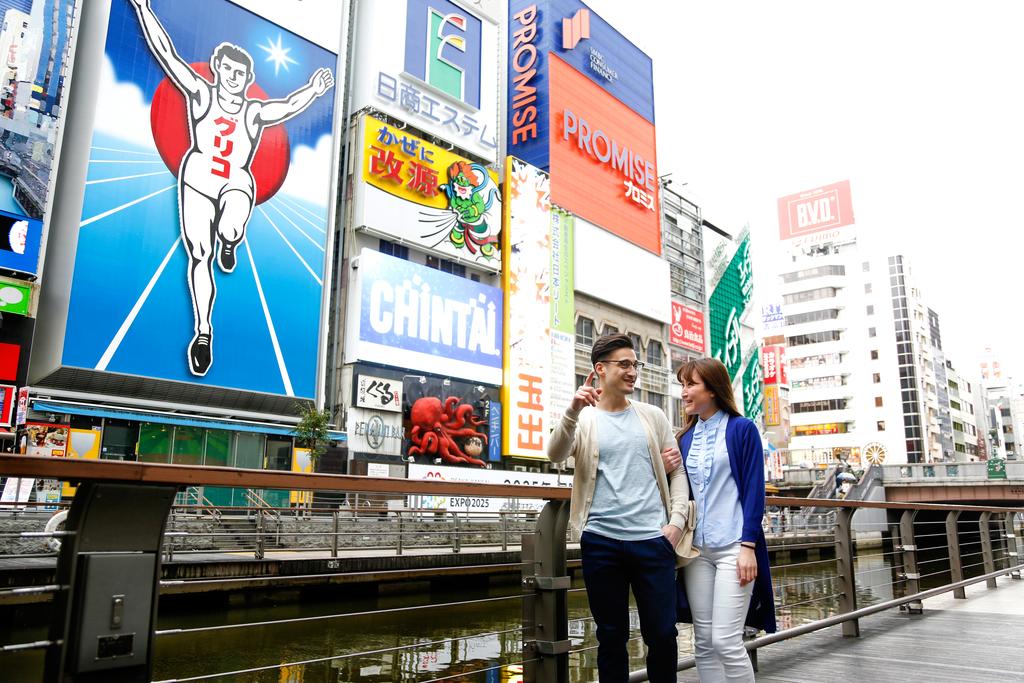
{"x":440,"y":643}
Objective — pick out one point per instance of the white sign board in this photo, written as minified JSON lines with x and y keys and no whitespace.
{"x":379,"y":393}
{"x":477,"y":476}
{"x":372,"y":431}
{"x":378,"y":469}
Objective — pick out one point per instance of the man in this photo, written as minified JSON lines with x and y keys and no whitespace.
{"x":631,"y":514}
{"x":216,"y":190}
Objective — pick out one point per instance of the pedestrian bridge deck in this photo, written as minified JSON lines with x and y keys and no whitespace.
{"x":977,"y":640}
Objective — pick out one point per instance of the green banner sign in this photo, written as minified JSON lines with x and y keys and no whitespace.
{"x":563,"y":303}
{"x":727,"y":304}
{"x":996,"y":468}
{"x":753,"y":390}
{"x":15,"y":298}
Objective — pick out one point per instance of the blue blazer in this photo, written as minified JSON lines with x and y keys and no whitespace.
{"x":746,"y":460}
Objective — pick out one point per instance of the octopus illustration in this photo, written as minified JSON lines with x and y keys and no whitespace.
{"x":437,"y":425}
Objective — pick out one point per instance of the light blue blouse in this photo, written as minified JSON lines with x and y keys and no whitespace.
{"x":719,"y":514}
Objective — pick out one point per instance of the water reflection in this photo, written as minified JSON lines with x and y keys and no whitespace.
{"x":478,"y":642}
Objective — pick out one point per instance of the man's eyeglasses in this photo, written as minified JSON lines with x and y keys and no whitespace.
{"x":625,"y":364}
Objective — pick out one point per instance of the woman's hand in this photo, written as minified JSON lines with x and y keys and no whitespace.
{"x":672,"y":458}
{"x":746,"y":565}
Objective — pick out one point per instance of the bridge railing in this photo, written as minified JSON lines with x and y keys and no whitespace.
{"x":898,"y":554}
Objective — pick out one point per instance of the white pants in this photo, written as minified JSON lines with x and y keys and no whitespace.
{"x":719,"y":606}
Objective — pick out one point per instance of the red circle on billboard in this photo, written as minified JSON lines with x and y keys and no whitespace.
{"x":168,"y":120}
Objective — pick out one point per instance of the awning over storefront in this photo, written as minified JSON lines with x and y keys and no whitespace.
{"x":166,"y":418}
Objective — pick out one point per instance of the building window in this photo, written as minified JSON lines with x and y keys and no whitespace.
{"x":867,"y":288}
{"x":810,"y":295}
{"x":813,"y":316}
{"x":446,"y":266}
{"x":817,"y":406}
{"x":871,"y":310}
{"x":637,"y":342}
{"x":876,"y":378}
{"x":874,"y":355}
{"x":807,"y":274}
{"x":654,"y":354}
{"x":878,"y":401}
{"x":391,"y":249}
{"x":872,"y":332}
{"x":585,"y":331}
{"x":880,"y":425}
{"x":609,"y":329}
{"x":813,"y":338}
{"x":656,"y":399}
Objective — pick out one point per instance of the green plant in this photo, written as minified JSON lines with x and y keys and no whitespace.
{"x":312,"y":430}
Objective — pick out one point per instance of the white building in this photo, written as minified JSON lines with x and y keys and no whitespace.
{"x":963,"y":413}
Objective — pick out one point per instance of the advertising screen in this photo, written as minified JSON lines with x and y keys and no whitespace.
{"x":815,"y":211}
{"x":424,"y":194}
{"x":201,"y":248}
{"x":687,"y":329}
{"x":19,"y":243}
{"x":603,"y":164}
{"x":433,"y":63}
{"x":406,"y":315}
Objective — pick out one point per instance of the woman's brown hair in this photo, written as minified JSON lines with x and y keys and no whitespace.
{"x":716,"y":378}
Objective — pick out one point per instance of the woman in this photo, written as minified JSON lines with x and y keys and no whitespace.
{"x":728,"y":585}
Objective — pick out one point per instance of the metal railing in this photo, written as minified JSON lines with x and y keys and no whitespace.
{"x":922,"y":550}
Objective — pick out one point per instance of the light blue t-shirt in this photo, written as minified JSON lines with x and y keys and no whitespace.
{"x":627,"y":503}
{"x":719,"y":514}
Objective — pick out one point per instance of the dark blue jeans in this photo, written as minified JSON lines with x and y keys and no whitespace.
{"x":610,"y":569}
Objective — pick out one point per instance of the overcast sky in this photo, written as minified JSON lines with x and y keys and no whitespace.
{"x":920,"y":104}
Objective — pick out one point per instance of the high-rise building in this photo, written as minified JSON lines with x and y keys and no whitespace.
{"x":962,"y":392}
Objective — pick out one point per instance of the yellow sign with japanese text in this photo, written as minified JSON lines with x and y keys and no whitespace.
{"x":453,"y":203}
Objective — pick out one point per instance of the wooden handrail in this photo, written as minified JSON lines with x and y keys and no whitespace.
{"x":74,"y":469}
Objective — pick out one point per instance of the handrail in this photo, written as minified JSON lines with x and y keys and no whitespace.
{"x":44,"y":467}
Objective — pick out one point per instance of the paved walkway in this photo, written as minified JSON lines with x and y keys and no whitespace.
{"x":977,"y":640}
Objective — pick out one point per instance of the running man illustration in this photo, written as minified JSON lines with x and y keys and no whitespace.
{"x":216,"y":190}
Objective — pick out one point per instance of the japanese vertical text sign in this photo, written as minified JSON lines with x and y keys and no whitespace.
{"x":774,"y":372}
{"x":753,"y":391}
{"x":727,"y":305}
{"x":201,"y":249}
{"x":528,"y":305}
{"x":824,"y":209}
{"x":423,"y":194}
{"x":581,"y":105}
{"x":687,"y":329}
{"x":433,"y":63}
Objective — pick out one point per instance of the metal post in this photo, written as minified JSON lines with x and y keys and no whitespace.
{"x":401,"y":529}
{"x":456,"y":536}
{"x":335,"y":523}
{"x":985,"y":526}
{"x":955,"y":561}
{"x":260,"y":549}
{"x":504,"y":530}
{"x":847,"y":571}
{"x":546,"y":607}
{"x":1012,"y":545}
{"x":908,"y":545}
{"x":104,"y":620}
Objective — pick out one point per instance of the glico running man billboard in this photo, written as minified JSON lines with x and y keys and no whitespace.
{"x":201,"y":247}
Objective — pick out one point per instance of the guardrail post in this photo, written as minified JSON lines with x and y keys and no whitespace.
{"x":988,"y":560}
{"x":456,"y":536}
{"x":546,"y":605}
{"x":1012,"y":545}
{"x":260,"y":548}
{"x":847,"y":570}
{"x":908,"y":545}
{"x":335,"y":527}
{"x":504,"y":530}
{"x":956,"y":570}
{"x":401,"y":529}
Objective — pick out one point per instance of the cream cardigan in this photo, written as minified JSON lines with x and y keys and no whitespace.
{"x":576,"y":436}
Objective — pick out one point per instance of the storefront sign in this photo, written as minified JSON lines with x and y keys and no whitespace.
{"x":771,"y":316}
{"x":687,"y":328}
{"x":753,"y":391}
{"x":15,"y":298}
{"x":47,"y":439}
{"x":815,"y":211}
{"x":477,"y":476}
{"x":774,"y":362}
{"x":22,"y":413}
{"x":424,"y":194}
{"x":372,"y":431}
{"x":434,"y":64}
{"x":378,"y":393}
{"x":727,"y":306}
{"x":8,"y":403}
{"x":449,"y":422}
{"x":248,"y":201}
{"x":772,"y":409}
{"x":416,"y":317}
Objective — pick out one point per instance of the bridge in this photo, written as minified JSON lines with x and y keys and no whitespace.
{"x":940,"y":570}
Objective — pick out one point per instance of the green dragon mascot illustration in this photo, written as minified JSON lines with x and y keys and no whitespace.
{"x":471,"y":192}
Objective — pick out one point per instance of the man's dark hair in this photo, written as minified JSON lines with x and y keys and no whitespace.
{"x":608,"y":343}
{"x":234,"y":53}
